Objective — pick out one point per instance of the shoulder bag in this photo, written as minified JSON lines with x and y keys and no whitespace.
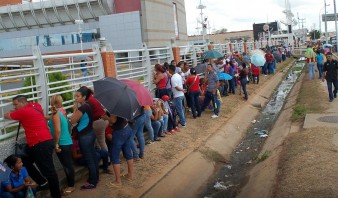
{"x":188,"y":88}
{"x":21,"y":149}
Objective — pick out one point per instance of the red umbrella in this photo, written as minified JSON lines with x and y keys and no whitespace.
{"x":143,"y":95}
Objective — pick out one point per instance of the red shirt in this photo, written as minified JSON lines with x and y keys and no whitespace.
{"x":97,"y":108}
{"x":255,"y":69}
{"x":195,"y":86}
{"x":162,"y":83}
{"x":268,"y":57}
{"x":34,"y":123}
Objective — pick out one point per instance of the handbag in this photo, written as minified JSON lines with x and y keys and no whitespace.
{"x":21,"y":149}
{"x":29,"y":193}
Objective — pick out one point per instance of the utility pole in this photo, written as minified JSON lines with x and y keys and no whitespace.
{"x":326,"y":39}
{"x":302,"y":21}
{"x":335,"y":22}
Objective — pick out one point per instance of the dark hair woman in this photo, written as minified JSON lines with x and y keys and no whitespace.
{"x":192,"y":84}
{"x":243,"y":74}
{"x":160,"y":80}
{"x":83,"y":116}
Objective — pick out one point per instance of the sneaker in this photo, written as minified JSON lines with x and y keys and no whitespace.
{"x":331,"y":99}
{"x":182,"y":126}
{"x":88,"y":187}
{"x":173,"y":132}
{"x":157,"y":139}
{"x":214,"y":116}
{"x":149,"y":142}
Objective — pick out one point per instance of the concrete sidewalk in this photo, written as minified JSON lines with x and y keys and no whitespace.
{"x":327,"y":119}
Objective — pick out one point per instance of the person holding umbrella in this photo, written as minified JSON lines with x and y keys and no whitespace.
{"x":83,"y":116}
{"x":121,"y":142}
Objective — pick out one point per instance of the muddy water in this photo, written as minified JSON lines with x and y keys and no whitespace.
{"x":232,"y":176}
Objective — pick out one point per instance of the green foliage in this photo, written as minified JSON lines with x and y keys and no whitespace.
{"x":314,"y":34}
{"x":262,"y":157}
{"x":221,"y":31}
{"x":53,"y":77}
{"x":299,"y":112}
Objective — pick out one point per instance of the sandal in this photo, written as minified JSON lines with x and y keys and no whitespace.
{"x":67,"y":191}
{"x":115,"y":185}
{"x":125,"y":176}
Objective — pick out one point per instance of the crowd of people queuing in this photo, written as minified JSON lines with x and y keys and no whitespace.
{"x":99,"y":136}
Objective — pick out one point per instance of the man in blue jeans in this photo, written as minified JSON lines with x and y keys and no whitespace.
{"x":211,"y":94}
{"x":178,"y":93}
{"x":330,"y":74}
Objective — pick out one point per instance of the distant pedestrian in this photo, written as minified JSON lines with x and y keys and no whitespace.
{"x":320,"y":62}
{"x":310,"y":60}
{"x":178,"y":93}
{"x":211,"y":93}
{"x":243,"y":77}
{"x":193,"y":82}
{"x":330,"y":70}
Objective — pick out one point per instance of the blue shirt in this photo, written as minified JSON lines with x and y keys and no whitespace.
{"x":14,"y":181}
{"x":319,"y":58}
{"x":85,"y":124}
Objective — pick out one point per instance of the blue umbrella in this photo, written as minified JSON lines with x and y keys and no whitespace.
{"x":223,"y":76}
{"x":4,"y":172}
{"x":212,"y":54}
{"x":327,"y":45}
{"x":257,"y":59}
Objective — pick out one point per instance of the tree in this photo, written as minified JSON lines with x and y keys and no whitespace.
{"x":53,"y":77}
{"x":221,"y":31}
{"x":314,"y":34}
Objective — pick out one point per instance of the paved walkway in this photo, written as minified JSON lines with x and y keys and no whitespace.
{"x":327,"y":119}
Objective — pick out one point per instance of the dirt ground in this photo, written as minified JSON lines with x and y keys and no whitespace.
{"x":163,"y":155}
{"x":302,"y":162}
{"x":308,"y":162}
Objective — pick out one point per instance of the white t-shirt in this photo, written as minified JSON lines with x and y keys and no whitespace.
{"x":176,"y":81}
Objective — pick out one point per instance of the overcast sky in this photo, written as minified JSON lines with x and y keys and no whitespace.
{"x":236,"y":15}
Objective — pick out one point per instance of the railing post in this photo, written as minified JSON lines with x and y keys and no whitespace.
{"x":41,"y":79}
{"x":231,"y":47}
{"x":109,"y":64}
{"x":176,"y":54}
{"x":97,"y":58}
{"x":146,"y":63}
{"x":194,"y":57}
{"x":245,"y":47}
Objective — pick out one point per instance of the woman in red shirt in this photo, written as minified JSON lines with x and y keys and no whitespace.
{"x":160,"y":80}
{"x":192,"y":83}
{"x":255,"y":73}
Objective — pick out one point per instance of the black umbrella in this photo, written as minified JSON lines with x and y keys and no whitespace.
{"x":117,"y":98}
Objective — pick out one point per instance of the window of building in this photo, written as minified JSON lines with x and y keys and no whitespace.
{"x":176,"y":21}
{"x":49,"y":40}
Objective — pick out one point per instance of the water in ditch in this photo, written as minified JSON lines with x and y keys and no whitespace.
{"x":228,"y":180}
